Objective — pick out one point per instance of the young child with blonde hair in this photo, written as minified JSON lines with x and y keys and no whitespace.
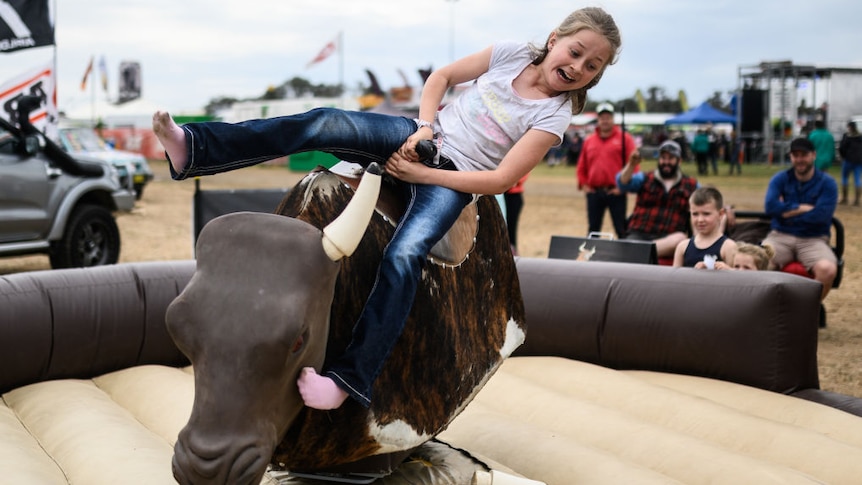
{"x":753,"y":257}
{"x":519,"y":101}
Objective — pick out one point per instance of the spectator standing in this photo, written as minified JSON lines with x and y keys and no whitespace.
{"x":557,"y":154}
{"x":733,"y":153}
{"x":661,"y":212}
{"x":601,"y":158}
{"x":680,"y":138}
{"x":700,"y":147}
{"x":514,"y":198}
{"x":713,"y":149}
{"x":824,"y":146}
{"x":575,"y":147}
{"x":850,"y":150}
{"x":801,"y":202}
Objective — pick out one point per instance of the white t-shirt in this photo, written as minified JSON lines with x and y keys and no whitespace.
{"x":486,"y":120}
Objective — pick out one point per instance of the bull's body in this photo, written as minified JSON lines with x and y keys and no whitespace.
{"x":465,"y":320}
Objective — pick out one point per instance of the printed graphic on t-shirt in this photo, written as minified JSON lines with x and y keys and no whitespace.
{"x":489,"y":113}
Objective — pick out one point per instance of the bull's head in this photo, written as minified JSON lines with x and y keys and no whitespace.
{"x":258,"y":306}
{"x":584,"y":253}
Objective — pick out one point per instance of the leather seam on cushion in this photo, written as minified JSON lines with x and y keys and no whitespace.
{"x":142,"y":297}
{"x":36,"y":438}
{"x":52,"y":317}
{"x":600,"y":331}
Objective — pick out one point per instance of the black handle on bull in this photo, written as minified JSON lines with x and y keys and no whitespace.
{"x":426,"y":151}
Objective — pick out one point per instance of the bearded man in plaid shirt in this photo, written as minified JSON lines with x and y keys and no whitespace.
{"x":661,"y":212}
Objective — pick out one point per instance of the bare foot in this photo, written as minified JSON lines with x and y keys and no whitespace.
{"x":172,"y":137}
{"x":319,"y":392}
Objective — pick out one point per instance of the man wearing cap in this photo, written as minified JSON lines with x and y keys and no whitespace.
{"x":801,"y":201}
{"x":601,"y":158}
{"x":661,"y":210}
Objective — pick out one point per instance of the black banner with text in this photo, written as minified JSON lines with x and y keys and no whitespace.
{"x":24,"y":24}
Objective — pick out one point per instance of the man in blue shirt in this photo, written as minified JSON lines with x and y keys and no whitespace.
{"x":801,"y":202}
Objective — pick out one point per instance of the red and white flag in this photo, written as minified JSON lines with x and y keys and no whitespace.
{"x":40,"y":82}
{"x":329,"y":49}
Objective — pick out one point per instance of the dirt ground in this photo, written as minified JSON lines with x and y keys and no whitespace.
{"x":160,"y":228}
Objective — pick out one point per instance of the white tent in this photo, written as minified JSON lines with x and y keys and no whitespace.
{"x":137,"y":113}
{"x":631,"y":119}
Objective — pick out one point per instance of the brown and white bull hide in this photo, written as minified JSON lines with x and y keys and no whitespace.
{"x":253,"y":312}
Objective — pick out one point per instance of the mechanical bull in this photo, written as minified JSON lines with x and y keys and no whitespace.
{"x":270,"y":296}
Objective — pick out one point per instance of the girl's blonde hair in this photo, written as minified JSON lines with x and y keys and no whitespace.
{"x":587,"y":18}
{"x":761,"y":254}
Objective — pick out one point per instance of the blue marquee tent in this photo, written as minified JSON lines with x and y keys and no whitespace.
{"x":701,"y":115}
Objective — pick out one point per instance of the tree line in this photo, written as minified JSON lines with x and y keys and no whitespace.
{"x":655,"y":100}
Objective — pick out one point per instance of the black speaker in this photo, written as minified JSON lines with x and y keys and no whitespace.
{"x":130,"y":81}
{"x":753,"y":110}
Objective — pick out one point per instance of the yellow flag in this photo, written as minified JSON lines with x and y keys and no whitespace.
{"x":683,"y":101}
{"x":639,"y":97}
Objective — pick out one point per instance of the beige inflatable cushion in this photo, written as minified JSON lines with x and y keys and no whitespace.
{"x":562,"y":408}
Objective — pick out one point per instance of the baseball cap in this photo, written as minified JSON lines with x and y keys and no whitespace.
{"x":671,"y":147}
{"x":801,"y":144}
{"x":605,"y":107}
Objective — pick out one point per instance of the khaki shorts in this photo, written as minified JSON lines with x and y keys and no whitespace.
{"x":806,"y":250}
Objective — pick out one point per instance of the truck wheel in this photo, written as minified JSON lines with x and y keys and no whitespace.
{"x":91,"y":239}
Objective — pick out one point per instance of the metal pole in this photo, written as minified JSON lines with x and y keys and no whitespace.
{"x":54,"y":81}
{"x":737,"y":142}
{"x":92,"y":94}
{"x":341,"y":65}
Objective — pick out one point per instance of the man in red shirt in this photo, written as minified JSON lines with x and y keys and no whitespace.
{"x":601,"y":159}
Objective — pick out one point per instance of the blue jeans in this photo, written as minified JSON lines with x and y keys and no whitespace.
{"x":431,"y":211}
{"x":856,"y":169}
{"x":362,"y":138}
{"x":359,"y":137}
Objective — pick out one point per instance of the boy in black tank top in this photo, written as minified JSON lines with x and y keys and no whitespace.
{"x":709,"y":248}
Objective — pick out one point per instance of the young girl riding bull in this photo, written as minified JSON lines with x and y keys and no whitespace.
{"x":520,"y":102}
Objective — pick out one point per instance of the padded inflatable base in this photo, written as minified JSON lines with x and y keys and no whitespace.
{"x":562,"y":422}
{"x":121,"y":428}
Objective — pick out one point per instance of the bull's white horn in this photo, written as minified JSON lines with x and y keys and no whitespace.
{"x":342,"y":236}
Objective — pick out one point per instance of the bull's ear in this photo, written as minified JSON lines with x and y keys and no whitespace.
{"x":342,"y":236}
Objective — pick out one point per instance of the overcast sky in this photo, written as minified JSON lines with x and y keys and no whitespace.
{"x":193,"y":50}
